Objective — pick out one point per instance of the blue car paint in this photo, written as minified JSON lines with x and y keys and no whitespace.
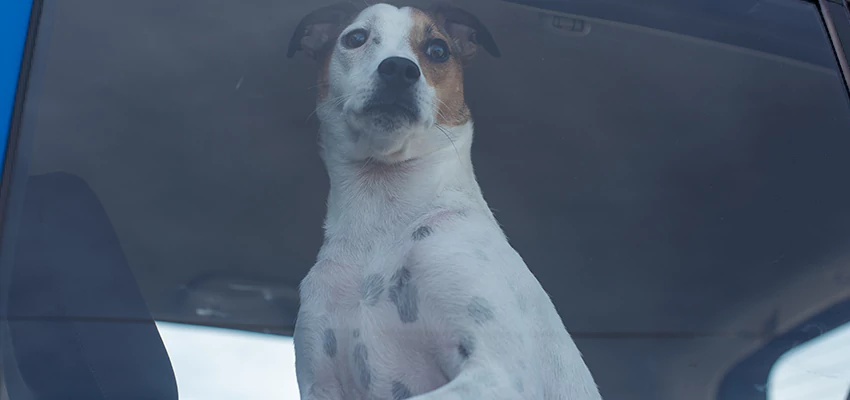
{"x":14,"y":21}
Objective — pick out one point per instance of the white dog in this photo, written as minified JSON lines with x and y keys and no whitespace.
{"x":416,"y":292}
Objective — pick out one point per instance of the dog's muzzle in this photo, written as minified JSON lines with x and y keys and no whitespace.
{"x":394,"y":97}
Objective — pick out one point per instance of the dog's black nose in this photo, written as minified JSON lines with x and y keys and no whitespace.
{"x":398,"y":71}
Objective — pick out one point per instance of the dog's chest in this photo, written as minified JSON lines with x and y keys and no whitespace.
{"x":372,"y":303}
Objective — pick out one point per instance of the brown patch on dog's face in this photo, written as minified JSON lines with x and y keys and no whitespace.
{"x":319,"y":42}
{"x":446,"y":77}
{"x":323,"y":81}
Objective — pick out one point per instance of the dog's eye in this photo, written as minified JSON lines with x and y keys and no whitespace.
{"x":355,"y":38}
{"x":438,"y":50}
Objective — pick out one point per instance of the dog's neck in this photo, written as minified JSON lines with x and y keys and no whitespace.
{"x":369,"y":199}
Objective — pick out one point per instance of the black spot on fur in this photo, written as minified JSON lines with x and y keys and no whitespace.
{"x":400,"y":391}
{"x":422,"y":232}
{"x":403,"y":295}
{"x":479,"y":309}
{"x":329,"y":342}
{"x":466,"y":347}
{"x":361,"y":356}
{"x":372,"y":288}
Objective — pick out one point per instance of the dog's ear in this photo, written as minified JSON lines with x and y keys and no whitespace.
{"x":466,"y":31}
{"x":318,"y":30}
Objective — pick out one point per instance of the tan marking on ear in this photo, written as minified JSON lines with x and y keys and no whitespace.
{"x":323,"y":82}
{"x":445,"y":77}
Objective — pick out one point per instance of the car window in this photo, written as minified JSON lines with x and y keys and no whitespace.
{"x":246,"y":364}
{"x":671,"y":172}
{"x":813,"y":370}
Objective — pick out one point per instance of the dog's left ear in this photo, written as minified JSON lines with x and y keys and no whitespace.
{"x":466,"y":31}
{"x":317,"y":31}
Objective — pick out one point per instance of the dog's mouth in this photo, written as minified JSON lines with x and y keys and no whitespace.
{"x":394,"y":110}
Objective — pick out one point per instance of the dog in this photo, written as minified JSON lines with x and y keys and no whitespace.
{"x":415,"y":292}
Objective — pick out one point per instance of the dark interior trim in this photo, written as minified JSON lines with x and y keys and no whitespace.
{"x":836,"y":18}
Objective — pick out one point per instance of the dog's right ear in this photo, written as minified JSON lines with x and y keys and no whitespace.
{"x":466,"y":31}
{"x":318,"y":30}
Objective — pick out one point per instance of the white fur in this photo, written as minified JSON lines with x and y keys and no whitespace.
{"x":473,"y":293}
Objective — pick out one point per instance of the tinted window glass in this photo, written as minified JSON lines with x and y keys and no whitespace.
{"x":672,"y":173}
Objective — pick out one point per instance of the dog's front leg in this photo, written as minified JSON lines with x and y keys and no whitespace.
{"x":316,"y":380}
{"x":480,"y":382}
{"x":315,"y":350}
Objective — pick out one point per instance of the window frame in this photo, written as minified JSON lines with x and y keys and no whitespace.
{"x":21,"y":20}
{"x":836,"y":18}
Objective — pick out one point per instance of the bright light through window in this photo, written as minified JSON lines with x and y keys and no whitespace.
{"x":816,"y":370}
{"x":224,"y":364}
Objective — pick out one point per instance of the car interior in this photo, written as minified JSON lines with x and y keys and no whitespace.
{"x":673,"y":173}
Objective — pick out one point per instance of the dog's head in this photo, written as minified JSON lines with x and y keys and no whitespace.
{"x":391,"y":79}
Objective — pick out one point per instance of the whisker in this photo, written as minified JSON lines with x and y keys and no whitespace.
{"x":442,"y":128}
{"x":329,"y":104}
{"x":315,"y":110}
{"x":320,"y":84}
{"x":440,"y":113}
{"x":448,"y":136}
